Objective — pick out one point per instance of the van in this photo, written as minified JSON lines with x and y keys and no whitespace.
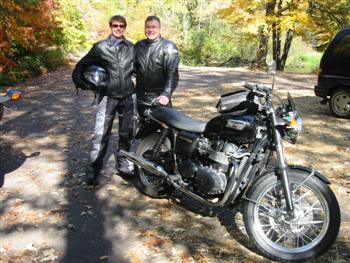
{"x":333,"y":83}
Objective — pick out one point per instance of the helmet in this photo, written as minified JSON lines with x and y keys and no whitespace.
{"x":96,"y":76}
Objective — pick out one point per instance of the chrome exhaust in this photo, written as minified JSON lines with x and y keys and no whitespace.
{"x":145,"y":164}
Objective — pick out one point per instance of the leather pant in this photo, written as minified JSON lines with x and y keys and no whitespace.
{"x":106,"y":112}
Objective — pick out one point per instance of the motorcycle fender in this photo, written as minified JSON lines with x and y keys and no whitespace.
{"x":309,"y":170}
{"x":321,"y":177}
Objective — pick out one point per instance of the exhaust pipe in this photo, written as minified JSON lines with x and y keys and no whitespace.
{"x":145,"y":164}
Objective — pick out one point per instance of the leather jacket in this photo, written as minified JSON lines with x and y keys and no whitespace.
{"x":117,"y":60}
{"x":156,"y":66}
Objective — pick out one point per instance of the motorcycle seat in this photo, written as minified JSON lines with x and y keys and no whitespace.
{"x":178,"y":119}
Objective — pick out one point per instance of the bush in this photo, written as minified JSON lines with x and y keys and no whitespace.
{"x":52,"y":58}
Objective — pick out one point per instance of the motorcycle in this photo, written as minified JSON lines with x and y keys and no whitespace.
{"x":9,"y":95}
{"x":290,"y":213}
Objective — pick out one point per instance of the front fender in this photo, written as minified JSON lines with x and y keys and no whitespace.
{"x":309,"y":170}
{"x":321,"y":177}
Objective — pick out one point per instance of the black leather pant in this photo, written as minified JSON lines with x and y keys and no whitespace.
{"x":107,"y":109}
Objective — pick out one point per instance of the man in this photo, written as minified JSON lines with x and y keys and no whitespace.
{"x":156,"y":62}
{"x":116,"y":55}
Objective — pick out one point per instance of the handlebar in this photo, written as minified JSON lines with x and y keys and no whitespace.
{"x":259,"y":90}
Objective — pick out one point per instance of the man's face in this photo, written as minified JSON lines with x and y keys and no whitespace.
{"x":152,"y":29}
{"x":117,"y":29}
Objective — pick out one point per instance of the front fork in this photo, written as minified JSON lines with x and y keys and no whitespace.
{"x":282,"y":165}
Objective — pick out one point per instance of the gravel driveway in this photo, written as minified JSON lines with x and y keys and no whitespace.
{"x":48,"y":214}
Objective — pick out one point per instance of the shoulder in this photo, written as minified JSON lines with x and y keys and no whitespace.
{"x":140,"y":43}
{"x":128,"y":43}
{"x":169,"y":46}
{"x":100,"y":44}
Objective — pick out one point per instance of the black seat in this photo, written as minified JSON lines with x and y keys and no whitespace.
{"x":178,"y":119}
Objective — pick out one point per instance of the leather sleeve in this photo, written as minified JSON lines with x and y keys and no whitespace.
{"x":89,"y":59}
{"x":171,"y":64}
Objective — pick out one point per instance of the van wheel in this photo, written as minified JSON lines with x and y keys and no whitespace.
{"x":339,"y":103}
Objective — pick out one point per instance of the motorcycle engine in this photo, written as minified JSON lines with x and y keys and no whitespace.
{"x":204,"y":163}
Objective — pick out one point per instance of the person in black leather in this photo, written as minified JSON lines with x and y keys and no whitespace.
{"x":116,"y":55}
{"x":156,"y":64}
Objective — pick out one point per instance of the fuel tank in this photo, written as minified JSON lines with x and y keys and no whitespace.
{"x":236,"y":129}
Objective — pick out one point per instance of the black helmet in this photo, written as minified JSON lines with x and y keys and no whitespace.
{"x":96,"y":76}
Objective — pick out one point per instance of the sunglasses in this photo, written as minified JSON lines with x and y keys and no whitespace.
{"x":117,"y":26}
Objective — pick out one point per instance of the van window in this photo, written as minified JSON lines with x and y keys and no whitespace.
{"x":342,"y":49}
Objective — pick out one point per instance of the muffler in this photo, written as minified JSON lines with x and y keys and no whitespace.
{"x":145,"y":164}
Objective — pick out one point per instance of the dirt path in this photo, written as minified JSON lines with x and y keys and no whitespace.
{"x":47,"y":213}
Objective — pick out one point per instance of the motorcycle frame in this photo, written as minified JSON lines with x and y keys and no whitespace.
{"x":249,"y":171}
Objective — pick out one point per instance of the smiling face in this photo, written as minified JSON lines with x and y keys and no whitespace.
{"x":152,"y":29}
{"x":117,"y":29}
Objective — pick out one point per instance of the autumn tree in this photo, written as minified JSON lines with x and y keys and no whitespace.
{"x":280,"y":19}
{"x":325,"y":18}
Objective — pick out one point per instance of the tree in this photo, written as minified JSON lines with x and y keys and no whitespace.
{"x":325,"y":18}
{"x":286,"y":18}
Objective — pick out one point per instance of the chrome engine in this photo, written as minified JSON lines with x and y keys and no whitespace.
{"x":204,"y":163}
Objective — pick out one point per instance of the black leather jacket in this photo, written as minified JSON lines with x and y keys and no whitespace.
{"x":156,"y":68}
{"x":118,"y":61}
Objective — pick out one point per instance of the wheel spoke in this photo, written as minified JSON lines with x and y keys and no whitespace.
{"x":303,"y":196}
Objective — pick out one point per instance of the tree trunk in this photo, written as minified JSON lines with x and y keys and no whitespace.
{"x":287,"y":44}
{"x":263,"y":46}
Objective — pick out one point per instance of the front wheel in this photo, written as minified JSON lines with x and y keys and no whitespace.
{"x":339,"y":104}
{"x":309,"y":234}
{"x":151,"y":185}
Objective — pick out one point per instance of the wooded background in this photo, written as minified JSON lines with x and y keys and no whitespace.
{"x":38,"y":35}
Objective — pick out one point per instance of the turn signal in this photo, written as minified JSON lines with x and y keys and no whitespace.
{"x":15,"y":96}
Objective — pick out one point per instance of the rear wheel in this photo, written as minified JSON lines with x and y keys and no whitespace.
{"x":151,"y":185}
{"x":339,"y":103}
{"x":309,"y":234}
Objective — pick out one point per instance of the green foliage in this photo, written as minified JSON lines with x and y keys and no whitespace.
{"x":73,"y":35}
{"x":302,"y":58}
{"x":52,"y":58}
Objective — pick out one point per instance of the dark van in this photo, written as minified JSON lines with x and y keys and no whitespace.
{"x":334,"y":76}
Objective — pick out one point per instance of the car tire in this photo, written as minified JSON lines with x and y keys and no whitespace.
{"x":339,"y":104}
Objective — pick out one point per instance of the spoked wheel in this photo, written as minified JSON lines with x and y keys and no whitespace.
{"x":310,"y":233}
{"x":151,"y":185}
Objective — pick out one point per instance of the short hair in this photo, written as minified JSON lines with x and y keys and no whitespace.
{"x":118,"y":18}
{"x":150,"y":18}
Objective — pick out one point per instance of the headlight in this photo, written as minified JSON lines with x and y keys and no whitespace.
{"x":293,"y":127}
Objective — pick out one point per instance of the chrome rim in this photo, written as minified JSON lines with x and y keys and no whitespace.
{"x":341,"y":103}
{"x":297,"y":235}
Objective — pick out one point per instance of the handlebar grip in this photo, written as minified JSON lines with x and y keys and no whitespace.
{"x":254,"y":88}
{"x":249,"y":86}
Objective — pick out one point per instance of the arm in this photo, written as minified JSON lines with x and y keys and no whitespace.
{"x":89,"y":59}
{"x":171,"y":64}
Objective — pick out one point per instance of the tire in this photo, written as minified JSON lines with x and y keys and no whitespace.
{"x":151,"y":185}
{"x":309,"y":235}
{"x":339,"y":104}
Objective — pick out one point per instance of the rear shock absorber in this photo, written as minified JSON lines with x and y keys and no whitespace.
{"x":161,"y":140}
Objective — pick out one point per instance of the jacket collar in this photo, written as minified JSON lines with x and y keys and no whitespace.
{"x":111,"y":41}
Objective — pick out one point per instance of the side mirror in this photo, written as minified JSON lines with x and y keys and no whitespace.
{"x":272,"y":68}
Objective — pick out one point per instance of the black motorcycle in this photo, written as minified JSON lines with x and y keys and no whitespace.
{"x":237,"y":158}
